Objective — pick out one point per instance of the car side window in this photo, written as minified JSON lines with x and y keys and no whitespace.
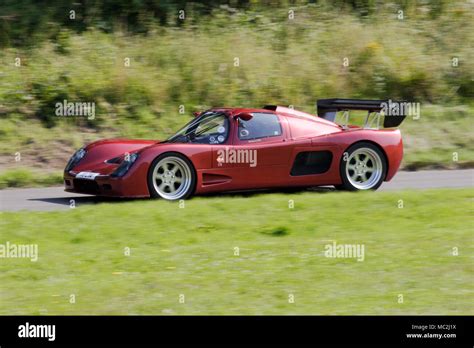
{"x":261,"y":125}
{"x":211,"y":130}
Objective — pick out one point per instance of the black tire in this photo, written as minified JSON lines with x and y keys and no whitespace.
{"x":353,"y":176}
{"x":181,"y":160}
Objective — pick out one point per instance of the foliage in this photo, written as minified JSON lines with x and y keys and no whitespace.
{"x":280,"y":61}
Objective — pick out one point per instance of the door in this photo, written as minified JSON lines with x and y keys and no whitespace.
{"x":261,"y":151}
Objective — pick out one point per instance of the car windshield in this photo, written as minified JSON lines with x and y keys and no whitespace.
{"x":209,"y":128}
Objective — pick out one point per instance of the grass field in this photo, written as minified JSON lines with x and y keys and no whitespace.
{"x":191,"y":251}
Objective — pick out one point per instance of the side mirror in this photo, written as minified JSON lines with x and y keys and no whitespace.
{"x":197,"y":113}
{"x":244,"y":116}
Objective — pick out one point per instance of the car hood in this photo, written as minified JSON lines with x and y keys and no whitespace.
{"x":98,"y":152}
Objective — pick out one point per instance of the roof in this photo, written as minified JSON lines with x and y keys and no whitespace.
{"x":285,"y":111}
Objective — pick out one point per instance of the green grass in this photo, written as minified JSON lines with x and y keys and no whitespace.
{"x":26,"y":178}
{"x":190,"y":251}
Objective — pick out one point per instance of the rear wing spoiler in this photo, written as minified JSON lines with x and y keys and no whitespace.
{"x":328,"y":108}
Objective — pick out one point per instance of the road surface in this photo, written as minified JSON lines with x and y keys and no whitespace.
{"x":54,"y":198}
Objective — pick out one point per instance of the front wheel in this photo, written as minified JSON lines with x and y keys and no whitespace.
{"x":172,"y":177}
{"x":363,"y":167}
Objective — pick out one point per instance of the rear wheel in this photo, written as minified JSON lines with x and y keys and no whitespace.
{"x":171,"y":176}
{"x":363,"y":167}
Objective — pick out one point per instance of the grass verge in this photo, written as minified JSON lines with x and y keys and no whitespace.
{"x":27,"y":178}
{"x":191,"y":251}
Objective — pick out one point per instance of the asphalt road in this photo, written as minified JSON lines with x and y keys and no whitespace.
{"x":54,"y":198}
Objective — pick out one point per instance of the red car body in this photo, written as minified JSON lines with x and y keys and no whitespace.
{"x":301,"y":132}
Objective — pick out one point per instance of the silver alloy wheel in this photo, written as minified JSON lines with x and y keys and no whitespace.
{"x":171,"y":178}
{"x":364,"y":168}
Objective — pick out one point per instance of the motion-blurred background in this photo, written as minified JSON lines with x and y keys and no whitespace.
{"x":147,"y":65}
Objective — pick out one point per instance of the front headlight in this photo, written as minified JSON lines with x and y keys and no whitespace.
{"x":125,"y":166}
{"x":75,"y":159}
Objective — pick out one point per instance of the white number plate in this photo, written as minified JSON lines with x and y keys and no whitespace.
{"x":86,"y":175}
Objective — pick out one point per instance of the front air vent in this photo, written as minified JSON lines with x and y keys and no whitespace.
{"x":86,"y":186}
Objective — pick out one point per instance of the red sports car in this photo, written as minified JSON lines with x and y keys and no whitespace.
{"x":227,"y":149}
